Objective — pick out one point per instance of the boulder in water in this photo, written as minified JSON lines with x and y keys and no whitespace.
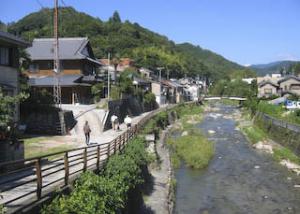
{"x":211,"y":131}
{"x":185,"y":133}
{"x":264,"y":147}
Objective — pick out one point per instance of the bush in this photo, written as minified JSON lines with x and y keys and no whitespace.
{"x":107,"y":192}
{"x":97,"y":91}
{"x":150,"y":101}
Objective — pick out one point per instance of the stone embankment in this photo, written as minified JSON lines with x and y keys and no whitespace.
{"x":161,"y":198}
{"x":268,"y":145}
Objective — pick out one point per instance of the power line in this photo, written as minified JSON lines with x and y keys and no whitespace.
{"x":63,"y":2}
{"x":39,"y":3}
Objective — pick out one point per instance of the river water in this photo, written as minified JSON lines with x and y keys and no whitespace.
{"x":238,"y":179}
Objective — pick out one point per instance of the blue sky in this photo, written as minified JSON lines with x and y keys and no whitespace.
{"x":244,"y":31}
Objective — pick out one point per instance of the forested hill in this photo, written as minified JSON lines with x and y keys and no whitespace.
{"x":126,"y":39}
{"x":274,"y":67}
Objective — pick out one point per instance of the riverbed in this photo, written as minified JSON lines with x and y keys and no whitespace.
{"x":238,"y":179}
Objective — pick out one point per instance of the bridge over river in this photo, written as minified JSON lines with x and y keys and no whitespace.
{"x":225,"y":97}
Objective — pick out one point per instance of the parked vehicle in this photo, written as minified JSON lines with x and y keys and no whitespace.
{"x":291,"y":105}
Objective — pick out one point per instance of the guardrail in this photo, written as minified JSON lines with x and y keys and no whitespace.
{"x":280,"y":123}
{"x":27,"y":181}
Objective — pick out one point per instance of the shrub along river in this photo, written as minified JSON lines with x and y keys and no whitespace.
{"x":238,"y":179}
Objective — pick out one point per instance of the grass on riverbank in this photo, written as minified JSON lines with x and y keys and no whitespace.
{"x":279,"y":112}
{"x":39,"y":146}
{"x":285,"y":154}
{"x":194,"y":149}
{"x":254,"y":134}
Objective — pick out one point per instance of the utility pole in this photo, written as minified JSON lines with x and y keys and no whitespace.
{"x":56,"y":75}
{"x":108,"y":76}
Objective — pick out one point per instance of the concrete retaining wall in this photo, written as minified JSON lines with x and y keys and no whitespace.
{"x":280,"y":131}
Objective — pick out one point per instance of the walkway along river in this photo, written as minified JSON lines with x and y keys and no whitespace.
{"x":238,"y":179}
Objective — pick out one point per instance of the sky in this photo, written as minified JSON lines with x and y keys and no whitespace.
{"x":243,"y":31}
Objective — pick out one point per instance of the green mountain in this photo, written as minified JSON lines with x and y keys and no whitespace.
{"x":126,"y":39}
{"x":274,"y":67}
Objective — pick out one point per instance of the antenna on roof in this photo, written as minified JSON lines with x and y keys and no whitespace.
{"x":56,"y":77}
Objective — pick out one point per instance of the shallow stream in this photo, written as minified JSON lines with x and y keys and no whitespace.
{"x":238,"y":179}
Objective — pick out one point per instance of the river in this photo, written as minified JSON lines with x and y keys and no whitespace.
{"x":238,"y":179}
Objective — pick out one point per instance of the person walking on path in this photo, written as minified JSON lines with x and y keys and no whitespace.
{"x":114,"y":120}
{"x":87,"y":131}
{"x":128,"y":121}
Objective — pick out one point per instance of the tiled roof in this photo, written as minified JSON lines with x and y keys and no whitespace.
{"x":261,"y":84}
{"x":287,"y":78}
{"x":12,"y":39}
{"x":69,"y":48}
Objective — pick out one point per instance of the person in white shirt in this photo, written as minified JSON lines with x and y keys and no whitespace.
{"x":114,"y":120}
{"x":128,"y":121}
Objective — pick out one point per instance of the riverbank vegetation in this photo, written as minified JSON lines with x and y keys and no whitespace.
{"x":279,"y":112}
{"x":107,"y":191}
{"x":254,"y":134}
{"x":257,"y":132}
{"x":194,"y":149}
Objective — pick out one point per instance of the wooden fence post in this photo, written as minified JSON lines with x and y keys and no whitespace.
{"x":66,"y":161}
{"x":84,"y":159}
{"x":108,"y":150}
{"x":98,"y":158}
{"x":115,"y":146}
{"x":39,"y":178}
{"x":119,"y":143}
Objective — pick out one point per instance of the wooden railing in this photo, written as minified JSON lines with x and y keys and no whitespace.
{"x":29,"y":180}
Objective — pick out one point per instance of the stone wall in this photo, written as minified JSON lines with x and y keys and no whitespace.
{"x":280,"y":131}
{"x":129,"y":106}
{"x":50,"y":123}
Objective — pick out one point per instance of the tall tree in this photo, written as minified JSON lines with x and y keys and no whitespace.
{"x":115,"y":17}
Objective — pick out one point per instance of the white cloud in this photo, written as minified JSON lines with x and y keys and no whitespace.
{"x":287,"y":56}
{"x":247,"y":65}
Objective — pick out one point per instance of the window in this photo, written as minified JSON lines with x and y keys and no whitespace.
{"x":268,"y":90}
{"x":34,"y":68}
{"x":4,"y":56}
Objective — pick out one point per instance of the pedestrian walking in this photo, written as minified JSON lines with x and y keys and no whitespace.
{"x":87,"y":131}
{"x":128,"y":121}
{"x":114,"y":121}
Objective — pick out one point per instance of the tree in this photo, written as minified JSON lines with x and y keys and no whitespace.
{"x":296,"y":69}
{"x":3,"y":26}
{"x":126,"y":85}
{"x":7,"y":108}
{"x":115,"y":17}
{"x":97,"y":91}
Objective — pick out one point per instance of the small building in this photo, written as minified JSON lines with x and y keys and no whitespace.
{"x":9,"y":65}
{"x":277,"y":85}
{"x":289,"y":84}
{"x":146,"y":73}
{"x":267,"y":89}
{"x":174,"y":91}
{"x":79,"y":68}
{"x":160,"y":92}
